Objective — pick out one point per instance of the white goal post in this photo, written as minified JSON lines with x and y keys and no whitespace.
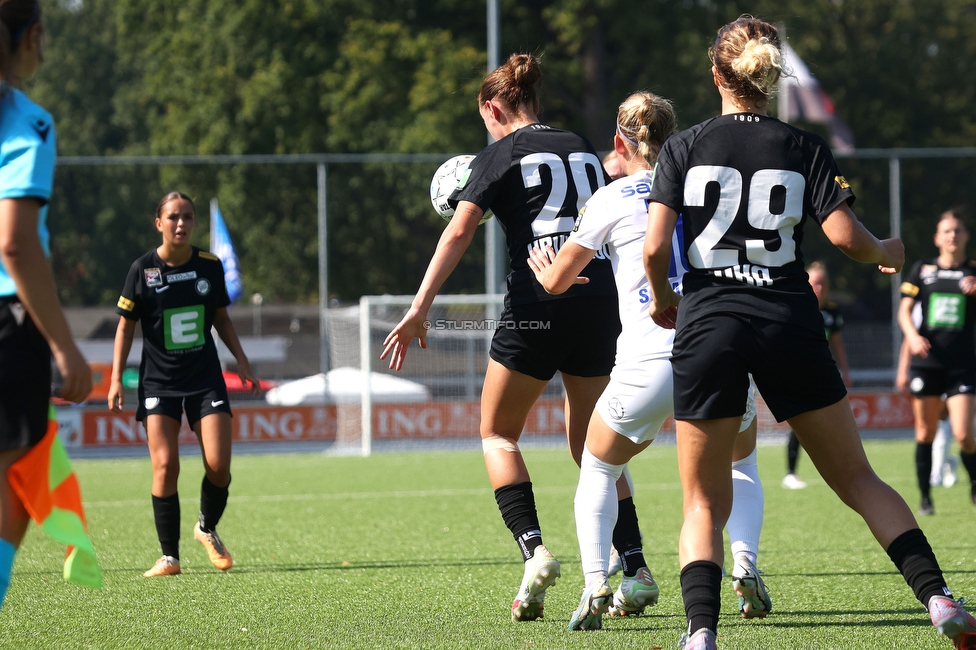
{"x":436,"y":395}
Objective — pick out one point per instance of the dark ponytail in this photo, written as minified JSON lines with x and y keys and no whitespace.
{"x":514,"y":83}
{"x":16,"y":17}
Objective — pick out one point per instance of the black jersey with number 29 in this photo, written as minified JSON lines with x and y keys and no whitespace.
{"x":176,"y":306}
{"x":745,"y":184}
{"x":535,"y":180}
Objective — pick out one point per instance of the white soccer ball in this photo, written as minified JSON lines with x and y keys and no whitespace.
{"x":448,"y":177}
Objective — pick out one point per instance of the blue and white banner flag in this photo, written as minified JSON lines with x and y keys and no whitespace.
{"x":223,"y":248}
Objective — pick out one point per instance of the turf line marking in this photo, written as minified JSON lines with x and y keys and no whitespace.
{"x":402,"y":494}
{"x":411,"y":494}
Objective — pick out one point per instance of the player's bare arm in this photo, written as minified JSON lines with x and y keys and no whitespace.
{"x":225,"y":329}
{"x":454,"y":241}
{"x":917,"y":344}
{"x":120,"y":354}
{"x":23,"y":257}
{"x":661,"y":221}
{"x":557,"y":272}
{"x":847,"y":233}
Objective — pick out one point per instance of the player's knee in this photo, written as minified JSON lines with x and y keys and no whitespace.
{"x":592,"y":463}
{"x":219,"y":475}
{"x":166,"y":467}
{"x":495,"y":441}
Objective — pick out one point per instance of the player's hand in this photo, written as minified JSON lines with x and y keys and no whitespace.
{"x":413,"y":326}
{"x":894,"y":256}
{"x":247,"y":376}
{"x":664,"y":309}
{"x":116,"y":397}
{"x":541,"y":260}
{"x":968,"y":285}
{"x":75,"y":374}
{"x":919,"y":346}
{"x":901,"y":381}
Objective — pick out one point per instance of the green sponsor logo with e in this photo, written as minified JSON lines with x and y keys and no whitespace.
{"x":183,"y":327}
{"x":946,"y":311}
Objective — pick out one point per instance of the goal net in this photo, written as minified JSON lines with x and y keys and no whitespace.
{"x":436,"y":395}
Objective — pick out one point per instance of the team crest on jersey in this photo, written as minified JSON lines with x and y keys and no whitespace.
{"x":154,"y":278}
{"x":844,"y":185}
{"x":203,"y":286}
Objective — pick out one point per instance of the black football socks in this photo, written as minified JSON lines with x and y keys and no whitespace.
{"x":792,"y":453}
{"x":627,"y":538}
{"x":517,"y":505}
{"x":213,"y":500}
{"x":914,"y":558}
{"x":923,"y":468}
{"x":166,"y":513}
{"x":701,"y":590}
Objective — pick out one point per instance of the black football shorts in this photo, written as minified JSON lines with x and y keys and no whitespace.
{"x":791,"y":364}
{"x":25,"y":378}
{"x":198,"y":405}
{"x":937,"y":382}
{"x":577,"y":336}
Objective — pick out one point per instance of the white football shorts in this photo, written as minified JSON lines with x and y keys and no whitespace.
{"x":750,"y":413}
{"x":638,"y":399}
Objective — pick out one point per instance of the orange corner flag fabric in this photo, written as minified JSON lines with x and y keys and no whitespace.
{"x":48,"y":488}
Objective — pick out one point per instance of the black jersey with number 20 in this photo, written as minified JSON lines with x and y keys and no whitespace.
{"x":535,"y":180}
{"x":176,"y":306}
{"x":745,"y":184}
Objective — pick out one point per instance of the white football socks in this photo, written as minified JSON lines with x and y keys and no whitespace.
{"x":746,"y":519}
{"x":596,"y":514}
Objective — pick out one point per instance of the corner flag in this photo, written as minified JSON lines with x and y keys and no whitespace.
{"x":48,"y":488}
{"x":223,"y":248}
{"x":802,"y":98}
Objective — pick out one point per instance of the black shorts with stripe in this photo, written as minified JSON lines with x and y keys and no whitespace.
{"x":25,"y":378}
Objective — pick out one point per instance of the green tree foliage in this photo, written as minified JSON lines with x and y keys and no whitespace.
{"x":338,"y":76}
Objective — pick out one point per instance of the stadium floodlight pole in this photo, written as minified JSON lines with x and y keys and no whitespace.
{"x":493,"y":232}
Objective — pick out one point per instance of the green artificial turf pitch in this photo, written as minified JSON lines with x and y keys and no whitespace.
{"x":407,"y":550}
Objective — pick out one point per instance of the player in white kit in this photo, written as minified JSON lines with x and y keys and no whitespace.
{"x":639,"y":397}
